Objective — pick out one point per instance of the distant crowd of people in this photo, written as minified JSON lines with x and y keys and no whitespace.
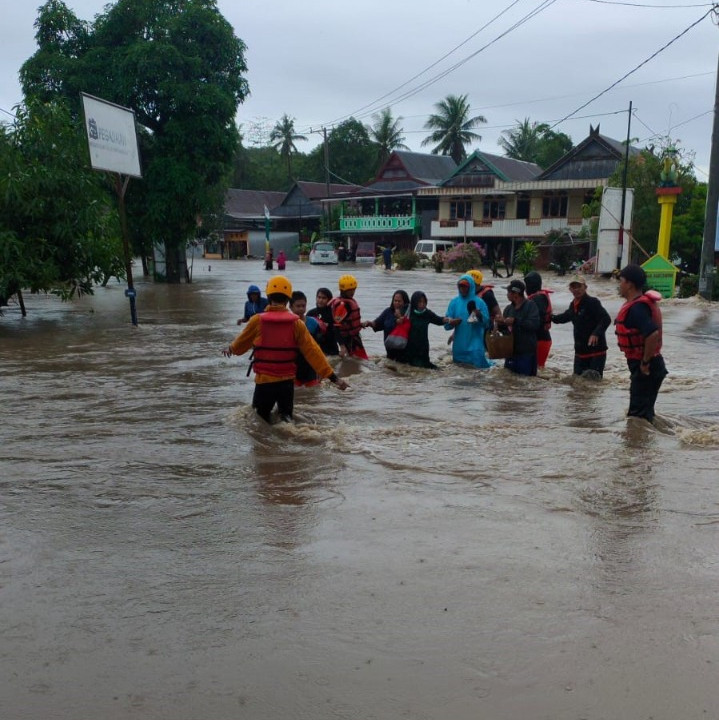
{"x":290,"y":344}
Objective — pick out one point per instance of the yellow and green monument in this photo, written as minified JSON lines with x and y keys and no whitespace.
{"x":661,"y":273}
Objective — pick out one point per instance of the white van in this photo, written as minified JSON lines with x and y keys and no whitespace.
{"x":429,"y":247}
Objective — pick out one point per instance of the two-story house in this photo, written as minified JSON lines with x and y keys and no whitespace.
{"x":495,"y":200}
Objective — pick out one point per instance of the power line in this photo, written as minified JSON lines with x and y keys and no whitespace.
{"x":631,"y":72}
{"x":429,"y":67}
{"x":542,"y":6}
{"x":641,"y":5}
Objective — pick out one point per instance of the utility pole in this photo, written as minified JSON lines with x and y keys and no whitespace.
{"x":620,"y":243}
{"x":707,"y":270}
{"x":327,"y":162}
{"x":326,"y":205}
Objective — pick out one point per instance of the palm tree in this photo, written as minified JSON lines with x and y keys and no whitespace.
{"x":453,"y":127}
{"x":522,"y":141}
{"x":387,"y":135}
{"x":283,"y":136}
{"x":535,"y":142}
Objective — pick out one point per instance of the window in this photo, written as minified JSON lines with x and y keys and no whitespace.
{"x":494,"y":209}
{"x":554,"y":206}
{"x":460,"y":210}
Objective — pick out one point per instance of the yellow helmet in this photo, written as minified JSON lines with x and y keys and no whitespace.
{"x":476,"y":275}
{"x":348,"y":282}
{"x":279,"y":284}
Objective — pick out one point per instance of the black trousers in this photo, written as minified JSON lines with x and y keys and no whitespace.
{"x":267,"y":395}
{"x":643,"y":389}
{"x":595,"y":363}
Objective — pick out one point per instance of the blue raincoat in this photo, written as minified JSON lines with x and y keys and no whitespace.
{"x":468,"y":344}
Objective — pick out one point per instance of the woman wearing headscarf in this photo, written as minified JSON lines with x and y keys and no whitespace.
{"x":469,"y":315}
{"x":387,"y":320}
{"x":420,"y":318}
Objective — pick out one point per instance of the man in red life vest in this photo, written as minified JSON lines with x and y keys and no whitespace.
{"x":540,"y":297}
{"x":347,"y":319}
{"x":638,"y":326}
{"x":276,"y":336}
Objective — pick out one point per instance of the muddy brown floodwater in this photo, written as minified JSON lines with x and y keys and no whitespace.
{"x":452,"y":544}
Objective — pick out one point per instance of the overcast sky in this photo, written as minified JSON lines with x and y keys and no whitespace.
{"x":321,"y":61}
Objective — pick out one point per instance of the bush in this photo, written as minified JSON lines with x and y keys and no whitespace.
{"x":406,"y":259}
{"x":525,"y":257}
{"x":464,"y":256}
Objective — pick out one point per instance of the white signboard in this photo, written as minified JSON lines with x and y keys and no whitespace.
{"x":111,"y":137}
{"x":609,"y":253}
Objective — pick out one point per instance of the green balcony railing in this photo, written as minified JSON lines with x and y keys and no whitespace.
{"x":381,"y":223}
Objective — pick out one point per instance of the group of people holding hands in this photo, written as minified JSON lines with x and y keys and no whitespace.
{"x":289,"y":345}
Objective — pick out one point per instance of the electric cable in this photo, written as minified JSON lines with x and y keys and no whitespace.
{"x":631,"y":72}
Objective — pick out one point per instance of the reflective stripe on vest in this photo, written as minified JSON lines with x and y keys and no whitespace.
{"x":275,"y":350}
{"x":630,"y":340}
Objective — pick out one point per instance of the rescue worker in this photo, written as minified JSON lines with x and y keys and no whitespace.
{"x":540,"y":297}
{"x":347,"y":319}
{"x":486,"y":293}
{"x":276,"y":336}
{"x":638,"y":327}
{"x":590,"y":321}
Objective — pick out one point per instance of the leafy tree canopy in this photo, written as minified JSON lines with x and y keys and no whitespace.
{"x":387,"y":134}
{"x":58,"y":231}
{"x":283,"y":136}
{"x":534,"y":142}
{"x":643,"y":174}
{"x":453,"y":127}
{"x":179,"y":66}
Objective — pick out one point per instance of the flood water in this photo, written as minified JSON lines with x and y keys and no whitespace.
{"x":451,"y":544}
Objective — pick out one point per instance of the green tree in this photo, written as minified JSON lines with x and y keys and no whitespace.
{"x":387,"y":134}
{"x":58,"y":230}
{"x":643,"y":174}
{"x":452,"y":127}
{"x":261,"y":168}
{"x":283,"y":136}
{"x":351,"y":155}
{"x":688,"y":228}
{"x":534,"y":142}
{"x":179,"y":66}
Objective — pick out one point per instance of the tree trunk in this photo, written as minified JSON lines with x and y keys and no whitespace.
{"x":176,"y":264}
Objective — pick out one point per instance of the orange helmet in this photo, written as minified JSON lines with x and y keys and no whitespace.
{"x":348,"y":282}
{"x":279,"y":284}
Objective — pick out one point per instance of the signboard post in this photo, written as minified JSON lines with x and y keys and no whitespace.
{"x":112,"y":141}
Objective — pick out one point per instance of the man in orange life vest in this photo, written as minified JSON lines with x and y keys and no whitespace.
{"x":638,"y":326}
{"x":276,"y":336}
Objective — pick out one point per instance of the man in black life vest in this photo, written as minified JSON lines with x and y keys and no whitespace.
{"x":638,"y":327}
{"x":276,"y":336}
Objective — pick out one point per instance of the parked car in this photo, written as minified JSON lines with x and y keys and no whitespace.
{"x":430,"y":247}
{"x":323,"y":253}
{"x":366,"y":252}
